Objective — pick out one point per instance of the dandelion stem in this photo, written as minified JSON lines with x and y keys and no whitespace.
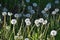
{"x":14,"y":30}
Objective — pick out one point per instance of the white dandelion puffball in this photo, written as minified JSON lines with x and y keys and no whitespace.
{"x":35,"y":4}
{"x":32,"y":11}
{"x":53,"y":33}
{"x":36,"y":21}
{"x":57,"y":10}
{"x":27,"y":1}
{"x":29,"y":8}
{"x":48,"y":5}
{"x":53,"y":12}
{"x":43,"y":11}
{"x":28,"y":23}
{"x":26,"y":38}
{"x":46,"y":9}
{"x":10,"y":14}
{"x":16,"y":15}
{"x":27,"y":15}
{"x":4,"y":13}
{"x":44,"y":22}
{"x":41,"y":20}
{"x":13,"y":21}
{"x":27,"y":19}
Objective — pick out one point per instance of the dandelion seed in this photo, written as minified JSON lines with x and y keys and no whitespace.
{"x":57,"y":10}
{"x":35,"y":4}
{"x":53,"y":33}
{"x":26,"y":38}
{"x":41,"y":20}
{"x":4,"y":13}
{"x":10,"y":14}
{"x":44,"y":22}
{"x":53,"y":12}
{"x":27,"y":1}
{"x":13,"y":21}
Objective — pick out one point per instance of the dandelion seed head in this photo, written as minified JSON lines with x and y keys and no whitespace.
{"x":4,"y":13}
{"x":53,"y":12}
{"x":44,"y":22}
{"x":28,"y":23}
{"x":10,"y":14}
{"x":36,"y":22}
{"x":32,"y":11}
{"x":48,"y":5}
{"x":35,"y":4}
{"x":53,"y":33}
{"x":16,"y":15}
{"x":13,"y":21}
{"x":29,"y":8}
{"x":27,"y":15}
{"x":41,"y":20}
{"x":27,"y":19}
{"x":57,"y":10}
{"x":26,"y":38}
{"x":46,"y":9}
